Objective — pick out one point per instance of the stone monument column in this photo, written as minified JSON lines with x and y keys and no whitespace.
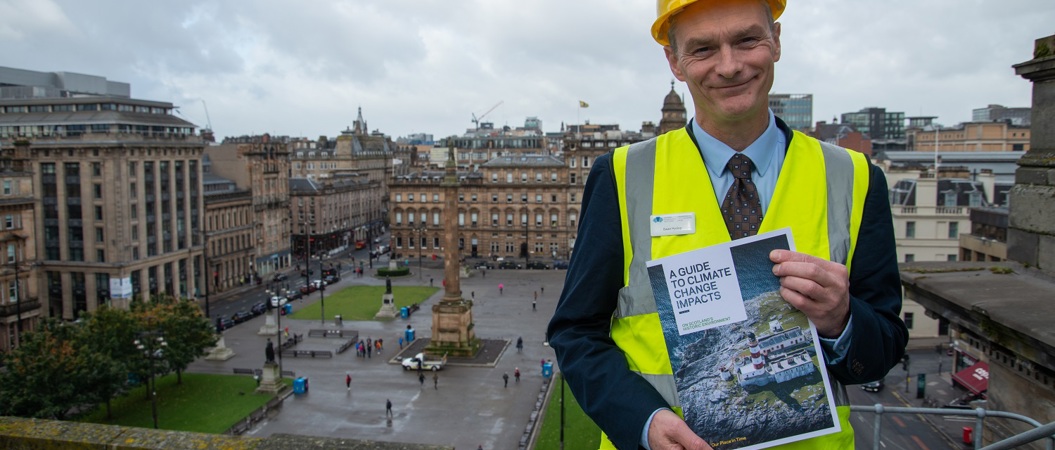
{"x":1030,"y":234}
{"x":452,"y":317}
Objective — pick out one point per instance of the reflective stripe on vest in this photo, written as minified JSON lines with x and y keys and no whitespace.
{"x":661,"y":176}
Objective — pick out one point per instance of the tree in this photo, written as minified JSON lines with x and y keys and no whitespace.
{"x":187,"y":333}
{"x":46,"y":375}
{"x":110,"y":340}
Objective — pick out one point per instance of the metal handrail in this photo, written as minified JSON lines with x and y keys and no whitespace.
{"x":980,"y":414}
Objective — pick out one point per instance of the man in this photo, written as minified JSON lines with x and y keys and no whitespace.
{"x":388,"y":407}
{"x":606,"y":331}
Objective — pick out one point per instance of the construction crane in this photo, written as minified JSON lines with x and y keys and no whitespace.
{"x":208,"y":121}
{"x":476,"y":120}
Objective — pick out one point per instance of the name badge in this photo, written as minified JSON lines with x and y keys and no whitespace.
{"x":673,"y":224}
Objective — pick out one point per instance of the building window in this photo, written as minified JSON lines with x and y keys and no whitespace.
{"x":399,"y":242}
{"x":410,"y":217}
{"x":399,"y":218}
{"x":494,"y":198}
{"x":509,"y":198}
{"x":410,"y":198}
{"x":571,"y":178}
{"x":436,"y":198}
{"x":494,"y":219}
{"x":97,"y":191}
{"x":97,"y":169}
{"x":909,"y":318}
{"x":494,"y":177}
{"x":399,"y":198}
{"x":509,"y":219}
{"x":509,"y":178}
{"x":523,"y":198}
{"x":11,"y":252}
{"x":474,"y":217}
{"x":99,"y":235}
{"x":553,"y":177}
{"x":461,"y":197}
{"x":98,"y":213}
{"x":954,"y":230}
{"x":474,"y":197}
{"x":538,"y":198}
{"x":538,"y":177}
{"x":910,"y":229}
{"x":435,"y":218}
{"x":7,"y":187}
{"x":909,"y":257}
{"x":950,"y":257}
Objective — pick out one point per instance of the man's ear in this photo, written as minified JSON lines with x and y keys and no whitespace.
{"x":672,"y":60}
{"x":776,"y":41}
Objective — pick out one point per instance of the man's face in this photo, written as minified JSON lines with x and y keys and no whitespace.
{"x":725,"y":54}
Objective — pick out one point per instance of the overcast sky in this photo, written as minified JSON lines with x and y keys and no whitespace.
{"x":426,"y":66}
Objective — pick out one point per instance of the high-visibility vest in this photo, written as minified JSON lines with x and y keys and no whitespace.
{"x":820,"y":195}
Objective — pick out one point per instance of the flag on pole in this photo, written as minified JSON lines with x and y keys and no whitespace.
{"x":583,"y":104}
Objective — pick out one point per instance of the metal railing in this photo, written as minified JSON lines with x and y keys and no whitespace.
{"x":980,"y":414}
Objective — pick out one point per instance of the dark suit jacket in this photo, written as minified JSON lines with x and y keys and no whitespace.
{"x":620,"y":401}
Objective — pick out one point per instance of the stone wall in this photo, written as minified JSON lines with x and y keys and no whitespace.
{"x":25,"y":434}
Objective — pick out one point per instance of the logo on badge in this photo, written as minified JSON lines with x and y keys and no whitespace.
{"x":657,"y":219}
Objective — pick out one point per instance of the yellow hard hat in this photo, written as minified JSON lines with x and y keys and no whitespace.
{"x":667,"y":8}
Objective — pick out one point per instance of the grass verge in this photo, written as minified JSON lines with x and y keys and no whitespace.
{"x":204,"y":403}
{"x":361,"y":302}
{"x":579,"y":430}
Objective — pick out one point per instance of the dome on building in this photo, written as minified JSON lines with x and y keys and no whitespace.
{"x":674,"y":116}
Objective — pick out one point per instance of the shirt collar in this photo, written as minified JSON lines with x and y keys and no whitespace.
{"x":716,"y":154}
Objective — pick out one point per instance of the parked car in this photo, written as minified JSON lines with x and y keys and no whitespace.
{"x":259,"y":308}
{"x":307,"y":289}
{"x":484,"y":265}
{"x":294,"y":295}
{"x":508,"y":265}
{"x":560,"y":264}
{"x":538,"y":265}
{"x":224,"y":323}
{"x":306,"y":272}
{"x":330,"y":279}
{"x":318,"y":284}
{"x":874,"y":386}
{"x":278,"y":301}
{"x":280,"y":277}
{"x":423,"y":362}
{"x":242,"y":316}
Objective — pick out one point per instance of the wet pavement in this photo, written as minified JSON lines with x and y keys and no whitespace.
{"x":468,"y":406}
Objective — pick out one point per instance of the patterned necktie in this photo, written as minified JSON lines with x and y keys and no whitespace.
{"x":741,"y":208}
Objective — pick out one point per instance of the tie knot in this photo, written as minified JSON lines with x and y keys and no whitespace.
{"x":740,"y":166}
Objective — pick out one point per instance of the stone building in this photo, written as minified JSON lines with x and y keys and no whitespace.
{"x":673,"y":112}
{"x":118,"y":182}
{"x":970,"y":137}
{"x":330,"y":214}
{"x":20,"y":303}
{"x":228,"y":237}
{"x":261,"y":166}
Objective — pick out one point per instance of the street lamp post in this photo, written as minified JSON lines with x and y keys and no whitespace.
{"x":205,"y":260}
{"x":420,"y":231}
{"x":322,"y":295}
{"x":278,"y":292}
{"x":151,"y":344}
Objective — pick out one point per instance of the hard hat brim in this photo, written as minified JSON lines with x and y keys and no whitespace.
{"x":661,"y":27}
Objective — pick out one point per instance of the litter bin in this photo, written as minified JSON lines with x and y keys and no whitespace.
{"x":968,"y":435}
{"x":337,"y":320}
{"x":287,"y":309}
{"x":410,"y":335}
{"x":547,"y":370}
{"x":300,"y":385}
{"x":404,"y":313}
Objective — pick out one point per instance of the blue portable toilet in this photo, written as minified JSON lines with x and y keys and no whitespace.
{"x":410,"y":335}
{"x":300,"y":385}
{"x":404,"y":312}
{"x":547,"y":370}
{"x":288,"y":307}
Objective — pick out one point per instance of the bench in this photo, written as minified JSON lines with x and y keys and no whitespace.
{"x":326,"y":333}
{"x":312,"y":353}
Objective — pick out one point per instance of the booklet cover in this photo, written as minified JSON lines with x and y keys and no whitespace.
{"x":748,"y":366}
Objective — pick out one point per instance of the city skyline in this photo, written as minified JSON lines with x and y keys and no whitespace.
{"x":429,"y":68}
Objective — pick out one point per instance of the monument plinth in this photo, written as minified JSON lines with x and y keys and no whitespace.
{"x":452,"y":317}
{"x":388,"y":304}
{"x":220,"y":352}
{"x":269,"y":328}
{"x":270,"y":380}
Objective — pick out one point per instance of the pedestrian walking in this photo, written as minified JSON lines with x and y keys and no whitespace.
{"x":473,"y":293}
{"x":348,"y":381}
{"x":542,"y":289}
{"x":483,"y":273}
{"x":430,"y":281}
{"x":421,"y":378}
{"x":520,"y":345}
{"x":534,"y":305}
{"x":516,"y":374}
{"x":435,"y":380}
{"x":401,"y":342}
{"x":501,"y":287}
{"x":505,"y":379}
{"x":388,"y":408}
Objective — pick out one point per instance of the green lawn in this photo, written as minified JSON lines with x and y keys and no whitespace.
{"x":579,"y":430}
{"x":360,"y":302}
{"x":204,"y":403}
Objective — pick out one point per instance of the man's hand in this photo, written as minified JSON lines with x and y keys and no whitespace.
{"x":668,"y":432}
{"x":817,"y":287}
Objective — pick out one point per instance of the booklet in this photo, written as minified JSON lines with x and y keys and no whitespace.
{"x":749,"y":368}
